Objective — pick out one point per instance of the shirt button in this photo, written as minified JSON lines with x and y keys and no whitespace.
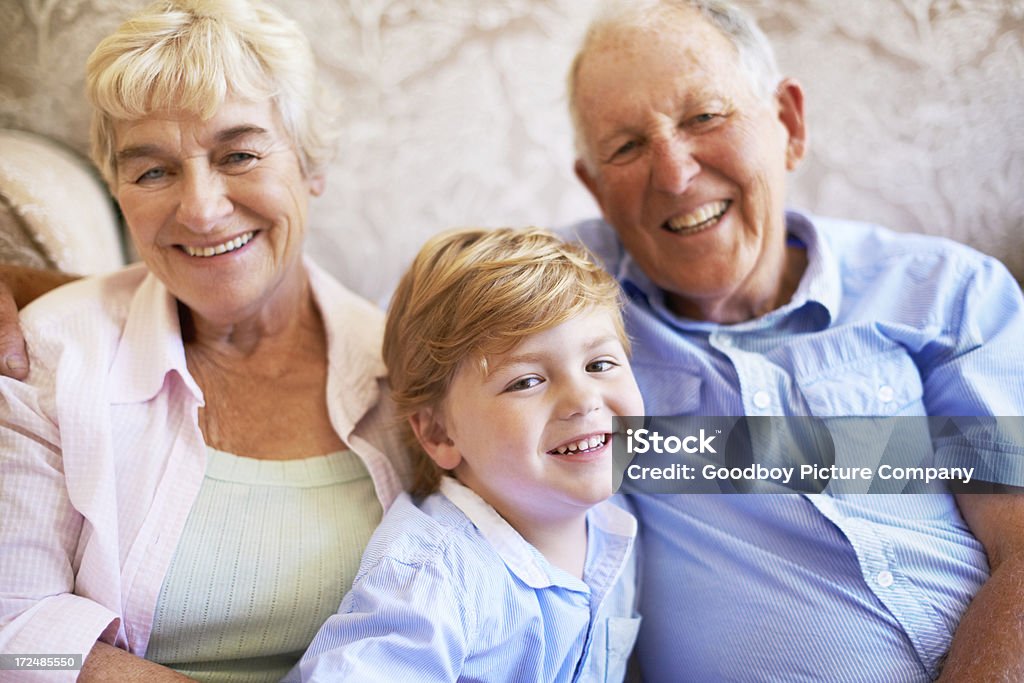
{"x":724,"y":342}
{"x":886,"y":393}
{"x":885,"y":579}
{"x":762,"y":400}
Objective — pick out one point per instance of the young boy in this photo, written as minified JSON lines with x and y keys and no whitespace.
{"x":506,"y":353}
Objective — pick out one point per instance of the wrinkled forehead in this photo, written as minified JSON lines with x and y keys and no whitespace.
{"x":182,"y":128}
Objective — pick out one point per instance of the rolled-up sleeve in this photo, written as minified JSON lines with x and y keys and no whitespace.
{"x":975,"y":378}
{"x":40,"y":536}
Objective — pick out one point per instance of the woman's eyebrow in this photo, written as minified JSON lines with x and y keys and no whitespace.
{"x":236,"y":132}
{"x":226,"y":135}
{"x":135,"y":152}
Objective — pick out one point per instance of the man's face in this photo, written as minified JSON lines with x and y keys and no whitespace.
{"x":688,"y":163}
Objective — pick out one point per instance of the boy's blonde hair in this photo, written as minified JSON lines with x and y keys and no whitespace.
{"x":190,"y":55}
{"x":474,"y":293}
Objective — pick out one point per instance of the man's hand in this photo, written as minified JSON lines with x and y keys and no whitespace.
{"x":13,"y":356}
{"x":19,"y":286}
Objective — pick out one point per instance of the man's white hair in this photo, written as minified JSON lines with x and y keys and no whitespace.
{"x":756,"y":57}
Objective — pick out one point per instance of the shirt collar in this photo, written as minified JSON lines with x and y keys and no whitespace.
{"x":150,"y":346}
{"x":522,"y":559}
{"x":519,"y":556}
{"x":820,"y":283}
{"x":355,"y":328}
{"x":819,"y":286}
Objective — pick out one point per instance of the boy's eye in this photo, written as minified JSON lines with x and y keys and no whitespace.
{"x":524,"y":383}
{"x":601,"y":365}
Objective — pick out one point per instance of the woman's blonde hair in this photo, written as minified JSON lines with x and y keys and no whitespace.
{"x":474,"y":293}
{"x":190,"y":55}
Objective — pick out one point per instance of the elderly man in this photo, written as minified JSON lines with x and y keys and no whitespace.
{"x":685,"y":134}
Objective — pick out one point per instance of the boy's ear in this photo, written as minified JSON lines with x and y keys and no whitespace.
{"x":428,"y":426}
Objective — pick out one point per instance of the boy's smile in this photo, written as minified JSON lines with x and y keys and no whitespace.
{"x":531,"y":436}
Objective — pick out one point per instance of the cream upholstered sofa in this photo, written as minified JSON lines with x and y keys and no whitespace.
{"x":454,"y":114}
{"x":54,"y":213}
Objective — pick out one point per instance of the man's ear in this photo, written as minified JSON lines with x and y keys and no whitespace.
{"x":428,"y":426}
{"x":790,"y":97}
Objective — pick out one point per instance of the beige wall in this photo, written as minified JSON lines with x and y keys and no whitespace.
{"x":455,"y":115}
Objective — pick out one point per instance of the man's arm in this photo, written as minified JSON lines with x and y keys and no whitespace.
{"x":107,"y":663}
{"x":989,"y":643}
{"x":19,"y":286}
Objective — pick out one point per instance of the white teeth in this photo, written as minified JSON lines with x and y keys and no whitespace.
{"x":230,"y":245}
{"x":698,"y":219}
{"x":581,"y":445}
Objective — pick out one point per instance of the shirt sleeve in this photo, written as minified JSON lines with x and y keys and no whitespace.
{"x":40,"y":531}
{"x":973,"y":382}
{"x":400,"y":622}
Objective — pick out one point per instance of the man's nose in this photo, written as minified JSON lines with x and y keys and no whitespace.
{"x":673,"y":166}
{"x":203,"y":202}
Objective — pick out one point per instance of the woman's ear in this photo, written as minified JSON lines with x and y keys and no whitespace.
{"x":428,"y":426}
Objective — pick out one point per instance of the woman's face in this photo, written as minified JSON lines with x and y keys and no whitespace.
{"x":216,"y":208}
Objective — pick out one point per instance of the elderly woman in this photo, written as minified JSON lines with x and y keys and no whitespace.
{"x":203,"y":446}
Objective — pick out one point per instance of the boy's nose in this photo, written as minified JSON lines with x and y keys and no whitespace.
{"x":579,"y":399}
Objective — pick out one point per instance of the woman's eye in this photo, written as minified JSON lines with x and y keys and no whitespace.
{"x":603,"y":365}
{"x":236,"y":158}
{"x":151,"y":174}
{"x":524,"y":383}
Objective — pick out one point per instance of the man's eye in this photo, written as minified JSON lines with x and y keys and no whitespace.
{"x":602,"y":365}
{"x":703,"y":118}
{"x":625,"y":149}
{"x":524,"y":383}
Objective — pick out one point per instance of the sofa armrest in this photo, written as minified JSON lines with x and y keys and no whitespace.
{"x":54,"y":211}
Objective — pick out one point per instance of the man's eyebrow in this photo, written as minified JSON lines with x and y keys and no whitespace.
{"x":226,"y":135}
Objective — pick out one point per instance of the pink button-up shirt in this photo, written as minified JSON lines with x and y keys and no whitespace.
{"x":101,"y":456}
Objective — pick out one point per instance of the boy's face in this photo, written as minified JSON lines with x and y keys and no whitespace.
{"x":532,"y":437}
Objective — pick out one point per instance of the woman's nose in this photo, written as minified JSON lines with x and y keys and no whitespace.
{"x":203,"y":202}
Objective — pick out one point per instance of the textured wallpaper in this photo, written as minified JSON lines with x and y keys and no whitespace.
{"x":454,"y":113}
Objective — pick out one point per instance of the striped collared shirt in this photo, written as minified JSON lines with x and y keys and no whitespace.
{"x":822,"y":587}
{"x":449,"y":591}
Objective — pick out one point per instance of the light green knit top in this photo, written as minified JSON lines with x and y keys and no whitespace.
{"x":268,"y":551}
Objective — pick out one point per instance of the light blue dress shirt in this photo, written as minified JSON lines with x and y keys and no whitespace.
{"x":824,"y":587}
{"x":449,"y":591}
